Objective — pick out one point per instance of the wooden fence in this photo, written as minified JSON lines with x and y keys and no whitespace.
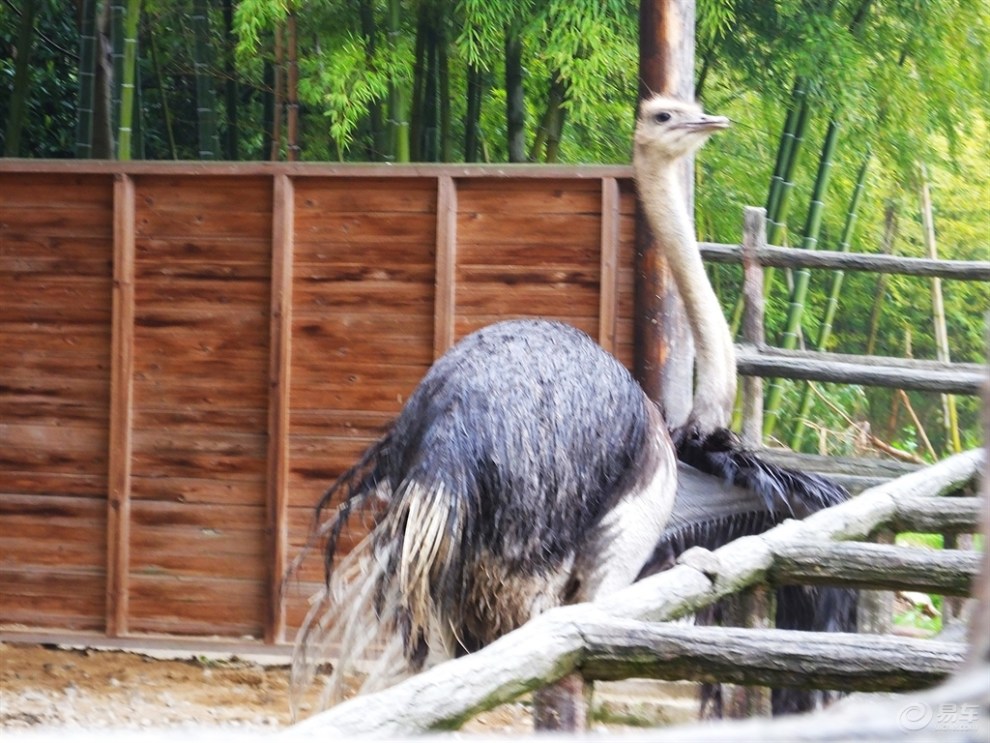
{"x":191,"y":353}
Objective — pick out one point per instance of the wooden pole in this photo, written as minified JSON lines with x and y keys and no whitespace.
{"x":280,"y":365}
{"x":446,"y":266}
{"x":608,"y":302}
{"x":663,"y":348}
{"x":754,"y":238}
{"x":121,"y":407}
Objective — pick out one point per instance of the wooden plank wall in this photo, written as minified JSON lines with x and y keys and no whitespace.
{"x":191,"y":355}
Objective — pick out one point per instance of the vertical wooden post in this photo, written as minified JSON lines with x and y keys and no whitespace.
{"x":754,"y":238}
{"x":875,"y":609}
{"x":446,"y":267}
{"x":279,"y":367}
{"x":752,"y":608}
{"x":664,"y":350}
{"x":121,"y":407}
{"x":608,"y":297}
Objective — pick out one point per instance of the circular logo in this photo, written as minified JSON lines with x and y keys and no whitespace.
{"x":916,"y":716}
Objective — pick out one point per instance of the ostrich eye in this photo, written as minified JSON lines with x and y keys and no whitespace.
{"x":661,"y":117}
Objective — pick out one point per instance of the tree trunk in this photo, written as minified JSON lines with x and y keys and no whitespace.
{"x":472,"y":120}
{"x":22,"y":81}
{"x":166,"y":113}
{"x":293,"y":147}
{"x":278,"y":98}
{"x":231,"y":133}
{"x":205,"y":99}
{"x":103,"y":147}
{"x":87,"y":80}
{"x":377,"y":147}
{"x":515,"y":107}
{"x":662,"y":344}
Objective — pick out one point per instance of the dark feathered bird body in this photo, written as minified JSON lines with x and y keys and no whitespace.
{"x":528,"y":469}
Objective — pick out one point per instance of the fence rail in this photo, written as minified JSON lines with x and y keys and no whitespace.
{"x":623,"y":635}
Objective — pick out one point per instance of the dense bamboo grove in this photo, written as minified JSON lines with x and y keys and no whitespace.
{"x":847,"y":111}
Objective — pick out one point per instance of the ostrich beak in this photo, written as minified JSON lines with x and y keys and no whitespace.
{"x":706,"y":123}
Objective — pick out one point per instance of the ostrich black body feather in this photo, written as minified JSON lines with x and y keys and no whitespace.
{"x":496,"y":494}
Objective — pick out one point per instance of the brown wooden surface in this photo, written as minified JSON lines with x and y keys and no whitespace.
{"x":280,"y":315}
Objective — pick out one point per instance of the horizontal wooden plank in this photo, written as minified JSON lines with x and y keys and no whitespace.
{"x":195,"y":606}
{"x":316,"y":250}
{"x":18,"y":387}
{"x":356,"y":226}
{"x":202,"y":252}
{"x":170,"y":334}
{"x":53,"y":597}
{"x":86,"y":485}
{"x":200,"y":295}
{"x":499,"y":299}
{"x":49,"y":546}
{"x":85,"y":351}
{"x":240,"y":222}
{"x":542,"y":275}
{"x":56,"y":221}
{"x":37,"y":362}
{"x":311,"y":299}
{"x":535,"y":198}
{"x":551,"y":229}
{"x":195,"y":491}
{"x":241,"y":560}
{"x":57,"y":510}
{"x":475,"y":319}
{"x":21,"y":190}
{"x":567,"y":255}
{"x":329,"y":196}
{"x":56,"y":256}
{"x":231,"y":462}
{"x":183,"y":193}
{"x":90,"y":440}
{"x":24,"y":408}
{"x":192,"y":422}
{"x":337,"y":423}
{"x":310,"y":352}
{"x":42,"y":462}
{"x":27,"y":291}
{"x":199,"y":394}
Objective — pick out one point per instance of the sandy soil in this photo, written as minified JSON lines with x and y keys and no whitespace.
{"x":43,"y":687}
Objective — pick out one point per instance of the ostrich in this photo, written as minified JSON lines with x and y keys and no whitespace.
{"x":528,"y":469}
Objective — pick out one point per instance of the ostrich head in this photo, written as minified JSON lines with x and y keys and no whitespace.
{"x":668,"y":128}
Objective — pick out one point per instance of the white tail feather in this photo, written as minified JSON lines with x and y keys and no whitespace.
{"x":355,"y":618}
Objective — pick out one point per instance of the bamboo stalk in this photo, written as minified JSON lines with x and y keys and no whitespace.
{"x":129,"y":65}
{"x":812,"y":229}
{"x":950,"y":419}
{"x":825,"y":332}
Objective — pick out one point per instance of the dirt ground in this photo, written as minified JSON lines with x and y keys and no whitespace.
{"x":46,"y":687}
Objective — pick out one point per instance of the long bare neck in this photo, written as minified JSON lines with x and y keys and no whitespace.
{"x":665,"y":205}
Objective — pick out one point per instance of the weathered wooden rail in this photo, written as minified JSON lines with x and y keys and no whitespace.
{"x":626,"y":634}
